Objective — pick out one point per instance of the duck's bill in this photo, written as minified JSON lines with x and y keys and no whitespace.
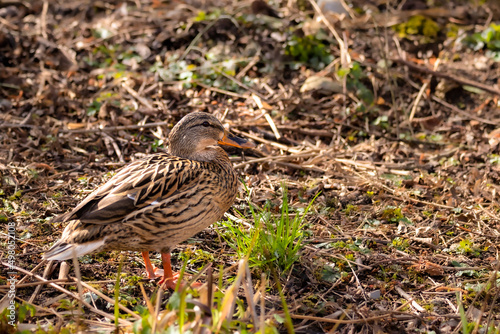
{"x":231,"y":140}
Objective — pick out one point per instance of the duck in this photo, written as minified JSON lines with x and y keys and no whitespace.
{"x":159,"y":201}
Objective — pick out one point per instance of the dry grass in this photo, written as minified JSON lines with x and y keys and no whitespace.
{"x":403,"y":153}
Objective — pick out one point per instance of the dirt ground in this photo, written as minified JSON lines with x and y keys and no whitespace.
{"x":388,"y":110}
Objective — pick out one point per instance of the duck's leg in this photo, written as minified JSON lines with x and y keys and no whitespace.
{"x":149,"y":267}
{"x":168,"y":279}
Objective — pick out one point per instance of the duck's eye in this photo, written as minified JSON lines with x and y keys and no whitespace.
{"x":205,"y":124}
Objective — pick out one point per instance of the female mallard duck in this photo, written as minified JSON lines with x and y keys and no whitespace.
{"x":159,"y":201}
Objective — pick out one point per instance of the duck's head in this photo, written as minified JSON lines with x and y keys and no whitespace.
{"x":197,"y":136}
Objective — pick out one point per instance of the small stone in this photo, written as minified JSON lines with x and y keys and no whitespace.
{"x":375,"y":294}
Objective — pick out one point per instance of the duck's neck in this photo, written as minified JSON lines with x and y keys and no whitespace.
{"x":214,"y":154}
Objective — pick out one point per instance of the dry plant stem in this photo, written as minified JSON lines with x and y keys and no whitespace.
{"x":43,"y":19}
{"x":392,"y":191}
{"x":262,"y":303}
{"x":301,"y":167}
{"x":347,"y":322}
{"x":79,"y":285}
{"x":8,"y":24}
{"x":280,"y":158}
{"x":59,"y":280}
{"x":368,"y":165}
{"x":146,"y":299}
{"x":229,"y":300}
{"x":197,"y":38}
{"x":465,"y":113}
{"x":108,"y":299}
{"x":272,"y":125}
{"x":221,"y":91}
{"x":417,"y":99}
{"x":242,"y":85}
{"x":492,"y":284}
{"x":247,"y":286}
{"x":156,"y":312}
{"x":360,"y":286}
{"x":252,"y":62}
{"x":320,"y":251}
{"x":114,"y":128}
{"x":453,"y":108}
{"x":4,"y":299}
{"x":198,"y":275}
{"x":41,"y":308}
{"x":406,"y":296}
{"x":25,"y":285}
{"x":39,"y":287}
{"x":63,"y":290}
{"x":136,"y":95}
{"x":492,"y":303}
{"x":462,"y":81}
{"x":344,"y":54}
{"x":115,"y":147}
{"x":210,"y":286}
{"x":261,"y":140}
{"x":392,"y":83}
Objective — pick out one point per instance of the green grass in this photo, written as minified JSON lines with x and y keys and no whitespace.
{"x":227,"y":312}
{"x":278,"y":238}
{"x":271,"y":242}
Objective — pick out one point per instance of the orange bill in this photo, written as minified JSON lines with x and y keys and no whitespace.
{"x":231,"y":140}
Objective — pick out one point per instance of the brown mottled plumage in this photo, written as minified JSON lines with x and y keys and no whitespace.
{"x":157,"y":202}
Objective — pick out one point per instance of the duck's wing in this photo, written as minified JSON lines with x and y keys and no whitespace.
{"x":137,"y":185}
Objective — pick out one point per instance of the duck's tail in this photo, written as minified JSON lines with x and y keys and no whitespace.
{"x":62,"y":250}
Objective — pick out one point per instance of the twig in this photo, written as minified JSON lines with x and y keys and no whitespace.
{"x":48,"y":310}
{"x":25,"y":285}
{"x":197,"y":37}
{"x":262,"y":302}
{"x":247,"y":287}
{"x":413,"y":303}
{"x":78,"y":282}
{"x":115,"y":147}
{"x":136,"y":95}
{"x":4,"y":299}
{"x":146,"y":299}
{"x":393,"y":192}
{"x":220,"y":91}
{"x":108,"y":299}
{"x":357,"y":321}
{"x":39,"y":287}
{"x":157,"y":308}
{"x":242,"y":85}
{"x":320,"y":251}
{"x":463,"y":112}
{"x":463,"y":268}
{"x":338,"y":321}
{"x":278,"y":158}
{"x":69,"y":293}
{"x":116,"y":128}
{"x":420,"y":94}
{"x":252,"y":62}
{"x":8,"y":24}
{"x":369,"y":165}
{"x":344,"y":54}
{"x":43,"y":19}
{"x":272,"y":125}
{"x":262,"y":140}
{"x":13,"y":126}
{"x":462,"y":81}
